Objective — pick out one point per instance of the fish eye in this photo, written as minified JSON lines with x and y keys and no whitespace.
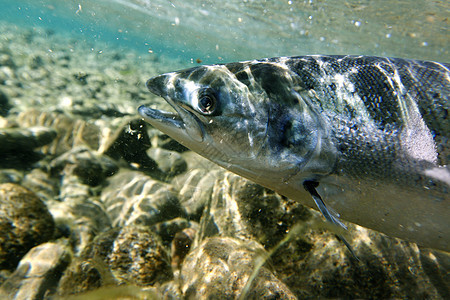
{"x":207,"y":101}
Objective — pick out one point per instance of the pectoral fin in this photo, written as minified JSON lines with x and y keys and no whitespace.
{"x":330,"y":215}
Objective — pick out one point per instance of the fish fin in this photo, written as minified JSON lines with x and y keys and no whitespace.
{"x":329,"y":214}
{"x":342,"y":239}
{"x":336,"y":215}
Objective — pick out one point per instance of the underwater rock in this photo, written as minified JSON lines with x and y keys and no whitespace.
{"x":13,"y":140}
{"x":130,"y":255}
{"x":34,"y":74}
{"x":167,"y":229}
{"x":85,"y":275}
{"x":10,"y":176}
{"x":7,"y":77}
{"x":79,"y":211}
{"x":170,"y":162}
{"x":69,"y":132}
{"x":80,"y":219}
{"x":17,"y":145}
{"x":4,"y":122}
{"x":69,"y":78}
{"x":36,"y":61}
{"x":138,"y":257}
{"x":90,"y":270}
{"x":195,"y":189}
{"x":130,"y":142}
{"x":178,"y":234}
{"x":181,"y":245}
{"x":140,"y":200}
{"x":24,"y":223}
{"x":242,"y":209}
{"x":4,"y":275}
{"x":101,"y":246}
{"x":388,"y":268}
{"x":7,"y":61}
{"x":5,"y":106}
{"x":78,"y":214}
{"x":221,"y":267}
{"x":38,"y":273}
{"x":44,"y":186}
{"x":170,"y":291}
{"x":90,"y":168}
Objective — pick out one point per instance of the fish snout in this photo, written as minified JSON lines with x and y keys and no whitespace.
{"x":158,"y":85}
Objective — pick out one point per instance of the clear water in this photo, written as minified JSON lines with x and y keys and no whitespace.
{"x":224,"y":31}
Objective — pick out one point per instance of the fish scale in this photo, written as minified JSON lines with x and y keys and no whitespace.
{"x":364,"y":136}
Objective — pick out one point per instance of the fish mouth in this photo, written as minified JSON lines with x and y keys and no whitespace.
{"x":183,"y":125}
{"x":160,"y":117}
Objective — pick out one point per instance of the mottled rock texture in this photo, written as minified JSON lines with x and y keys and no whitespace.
{"x":221,"y":268}
{"x":24,"y":223}
{"x":38,"y":272}
{"x":17,"y":145}
{"x":140,"y":200}
{"x":131,"y":255}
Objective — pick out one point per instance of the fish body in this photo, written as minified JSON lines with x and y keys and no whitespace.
{"x":364,"y":136}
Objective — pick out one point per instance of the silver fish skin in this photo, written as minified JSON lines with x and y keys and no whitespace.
{"x":366,"y":136}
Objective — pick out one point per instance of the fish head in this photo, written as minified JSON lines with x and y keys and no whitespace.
{"x":246,"y":117}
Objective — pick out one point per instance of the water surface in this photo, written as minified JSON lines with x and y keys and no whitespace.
{"x":211,"y":31}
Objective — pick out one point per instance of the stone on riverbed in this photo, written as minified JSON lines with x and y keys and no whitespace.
{"x":24,"y":223}
{"x":5,"y":106}
{"x":10,"y":176}
{"x":38,"y":272}
{"x":195,"y":188}
{"x":242,"y":209}
{"x":17,"y":145}
{"x":89,"y":167}
{"x":44,"y":186}
{"x":131,"y":255}
{"x":70,"y":132}
{"x":138,"y":257}
{"x":25,"y":139}
{"x":170,"y":162}
{"x":129,"y":143}
{"x":139,"y":200}
{"x":220,"y":268}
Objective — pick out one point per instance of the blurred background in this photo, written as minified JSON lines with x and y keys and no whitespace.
{"x":198,"y":31}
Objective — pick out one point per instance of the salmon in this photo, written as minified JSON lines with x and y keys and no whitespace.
{"x":360,"y":138}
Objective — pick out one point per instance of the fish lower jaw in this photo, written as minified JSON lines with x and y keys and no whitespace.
{"x":159,"y":116}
